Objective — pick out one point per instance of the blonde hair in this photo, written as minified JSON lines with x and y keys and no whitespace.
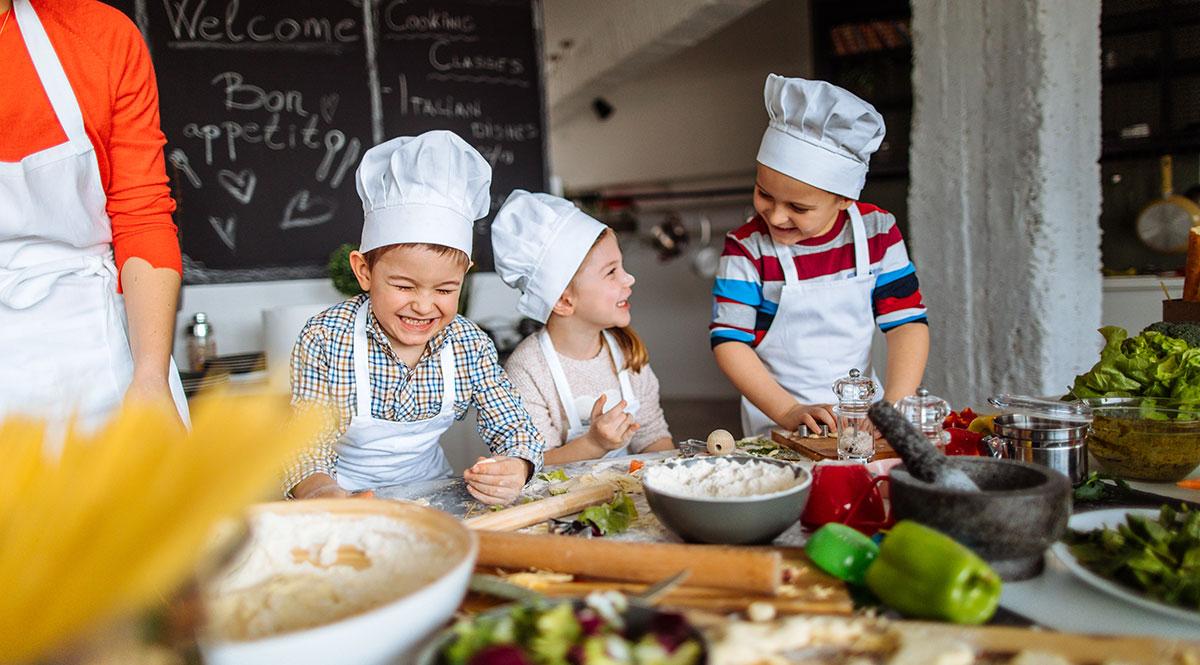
{"x":459,"y":256}
{"x":632,"y":347}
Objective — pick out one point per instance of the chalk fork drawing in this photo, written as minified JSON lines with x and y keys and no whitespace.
{"x":329,"y":104}
{"x":179,"y":160}
{"x":226,"y":230}
{"x":307,"y":210}
{"x":240,"y":185}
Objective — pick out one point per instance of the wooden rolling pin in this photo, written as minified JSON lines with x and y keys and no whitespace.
{"x":757,"y":570}
{"x":535,"y":512}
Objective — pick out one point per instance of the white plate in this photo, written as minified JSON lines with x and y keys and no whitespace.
{"x":1109,"y":519}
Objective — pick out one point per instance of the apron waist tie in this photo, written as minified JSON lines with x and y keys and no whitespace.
{"x":25,"y":287}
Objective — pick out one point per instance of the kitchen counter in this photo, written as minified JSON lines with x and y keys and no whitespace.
{"x":1055,"y":599}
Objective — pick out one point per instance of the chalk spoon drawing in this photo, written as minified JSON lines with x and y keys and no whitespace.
{"x":226,"y":230}
{"x":307,"y":210}
{"x":240,"y":185}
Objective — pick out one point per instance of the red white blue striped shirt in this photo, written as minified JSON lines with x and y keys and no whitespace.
{"x":750,"y":279}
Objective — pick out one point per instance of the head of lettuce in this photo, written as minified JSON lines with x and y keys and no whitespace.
{"x":1149,"y":365}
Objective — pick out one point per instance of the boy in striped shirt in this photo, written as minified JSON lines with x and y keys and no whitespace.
{"x":804,"y":283}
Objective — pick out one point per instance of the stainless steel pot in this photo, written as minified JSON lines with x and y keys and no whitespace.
{"x":1056,"y":444}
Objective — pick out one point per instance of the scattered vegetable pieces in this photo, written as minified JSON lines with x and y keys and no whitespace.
{"x":612,"y":517}
{"x":555,"y":476}
{"x":636,"y":465}
{"x":596,"y":632}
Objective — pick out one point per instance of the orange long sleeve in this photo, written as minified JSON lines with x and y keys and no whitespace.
{"x":109,"y":68}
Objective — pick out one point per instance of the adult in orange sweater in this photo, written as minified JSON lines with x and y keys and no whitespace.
{"x":85,"y":215}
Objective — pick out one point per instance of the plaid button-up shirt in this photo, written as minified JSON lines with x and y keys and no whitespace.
{"x":323,"y":374}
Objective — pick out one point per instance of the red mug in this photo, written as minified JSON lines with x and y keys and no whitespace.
{"x":846,"y":493}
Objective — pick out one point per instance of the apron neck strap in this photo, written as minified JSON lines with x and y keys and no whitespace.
{"x":618,"y":359}
{"x":787,"y":262}
{"x":862,"y":257}
{"x":362,"y":375}
{"x":362,"y":372}
{"x":448,"y":376}
{"x":560,"y":380}
{"x":50,"y":71}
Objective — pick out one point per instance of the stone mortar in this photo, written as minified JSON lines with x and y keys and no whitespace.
{"x":1021,"y":510}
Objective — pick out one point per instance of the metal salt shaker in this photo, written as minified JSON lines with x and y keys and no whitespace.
{"x":855,"y":393}
{"x":201,"y":344}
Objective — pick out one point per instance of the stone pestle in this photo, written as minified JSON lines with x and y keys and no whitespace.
{"x":922,"y":459}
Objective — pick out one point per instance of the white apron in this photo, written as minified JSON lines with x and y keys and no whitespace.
{"x":821,"y":331}
{"x":62,"y":323}
{"x":375,"y":452}
{"x":573,"y":405}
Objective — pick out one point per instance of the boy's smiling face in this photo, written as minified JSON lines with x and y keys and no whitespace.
{"x":414,"y":293}
{"x":794,"y":210}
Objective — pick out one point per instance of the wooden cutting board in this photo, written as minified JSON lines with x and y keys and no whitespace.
{"x":875,"y":640}
{"x":822,"y":448}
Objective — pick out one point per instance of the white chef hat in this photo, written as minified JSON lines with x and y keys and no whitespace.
{"x":538,"y":242}
{"x":819,"y":134}
{"x":429,"y":188}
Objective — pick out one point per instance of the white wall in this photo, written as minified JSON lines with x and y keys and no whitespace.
{"x":695,"y":115}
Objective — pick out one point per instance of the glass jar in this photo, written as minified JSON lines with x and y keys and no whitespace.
{"x":201,"y":345}
{"x":927,"y":412}
{"x":855,"y":394}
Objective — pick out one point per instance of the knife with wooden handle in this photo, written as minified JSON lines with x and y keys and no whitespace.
{"x":535,"y":512}
{"x":750,"y":569}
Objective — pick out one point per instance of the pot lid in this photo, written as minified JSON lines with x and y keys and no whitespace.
{"x":1067,"y":412}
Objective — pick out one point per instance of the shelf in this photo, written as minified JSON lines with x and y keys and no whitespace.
{"x":896,"y":53}
{"x":1150,"y":71}
{"x":1152,"y":146}
{"x":1147,"y":20}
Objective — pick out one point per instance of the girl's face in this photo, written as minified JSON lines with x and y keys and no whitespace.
{"x":599,"y":292}
{"x":794,"y":210}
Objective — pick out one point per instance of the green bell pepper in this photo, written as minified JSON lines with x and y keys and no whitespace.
{"x":842,"y":551}
{"x":923,"y":573}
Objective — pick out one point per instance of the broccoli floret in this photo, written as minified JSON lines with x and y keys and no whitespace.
{"x":1186,"y":331}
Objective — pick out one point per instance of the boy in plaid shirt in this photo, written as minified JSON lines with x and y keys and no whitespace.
{"x":398,"y":364}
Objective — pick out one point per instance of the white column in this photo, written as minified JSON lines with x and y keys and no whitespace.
{"x":1004,"y":205}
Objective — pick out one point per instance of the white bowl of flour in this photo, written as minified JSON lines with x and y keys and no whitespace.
{"x":731,"y":499}
{"x":337,"y":581}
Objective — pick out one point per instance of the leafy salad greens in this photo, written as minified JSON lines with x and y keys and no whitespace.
{"x":1149,"y":365}
{"x":1158,"y":557}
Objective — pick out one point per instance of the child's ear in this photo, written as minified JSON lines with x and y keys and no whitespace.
{"x":565,"y":305}
{"x":844,"y":203}
{"x":358,"y":263}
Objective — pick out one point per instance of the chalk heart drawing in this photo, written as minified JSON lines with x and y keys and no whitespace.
{"x":240,"y":185}
{"x":307,"y":210}
{"x":226,"y":230}
{"x":329,"y":104}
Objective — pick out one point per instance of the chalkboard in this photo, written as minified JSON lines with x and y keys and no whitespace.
{"x":268,"y":106}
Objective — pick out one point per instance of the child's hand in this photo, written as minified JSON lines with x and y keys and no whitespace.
{"x":810,"y":415}
{"x":496,"y":480}
{"x":611,"y":430}
{"x":319,"y":486}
